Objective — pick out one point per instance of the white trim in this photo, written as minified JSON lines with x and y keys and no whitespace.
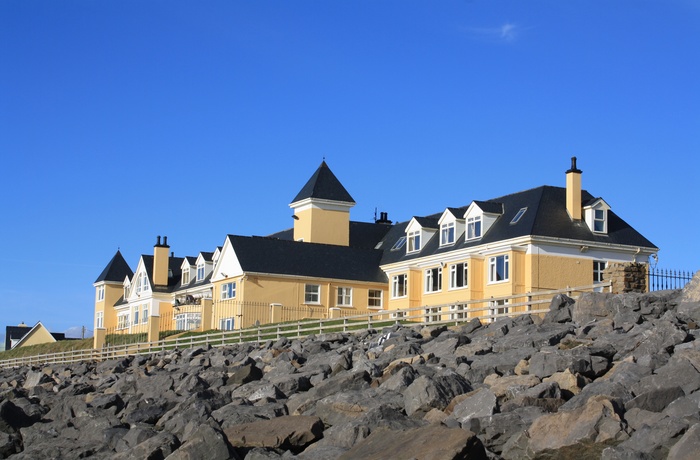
{"x":319,"y":203}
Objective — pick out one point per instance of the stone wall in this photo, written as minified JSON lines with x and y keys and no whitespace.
{"x":626,"y":277}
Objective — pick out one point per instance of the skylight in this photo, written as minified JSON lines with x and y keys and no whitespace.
{"x":399,"y":243}
{"x":518,"y":216}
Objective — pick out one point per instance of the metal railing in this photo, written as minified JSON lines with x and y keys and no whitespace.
{"x":454,"y":313}
{"x":662,"y":279}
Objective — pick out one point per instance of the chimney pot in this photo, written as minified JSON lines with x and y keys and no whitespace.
{"x":165,"y":241}
{"x":158,"y":241}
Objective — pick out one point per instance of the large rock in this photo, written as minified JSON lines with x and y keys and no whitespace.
{"x":288,"y":432}
{"x":433,"y":442}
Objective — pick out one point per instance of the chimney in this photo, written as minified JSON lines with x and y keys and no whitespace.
{"x":573,"y":191}
{"x":161,"y":262}
{"x":383,"y":219}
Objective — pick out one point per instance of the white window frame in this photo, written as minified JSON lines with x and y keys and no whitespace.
{"x":518,"y":216}
{"x":474,"y":227}
{"x":186,"y":276}
{"x":455,"y":270}
{"x":144,"y":313}
{"x":123,"y":321}
{"x":399,"y":286}
{"x":458,"y":311}
{"x":433,"y":280}
{"x":499,"y":307}
{"x":135,"y":315}
{"x":312,"y":294}
{"x":100,"y":293}
{"x":599,"y":267}
{"x":413,"y":239}
{"x":493,"y":268}
{"x":201,"y":270}
{"x":188,"y":321}
{"x":344,"y":297}
{"x":374,"y":300}
{"x":399,"y":243}
{"x":228,"y":290}
{"x":433,"y":314}
{"x":226,"y":324}
{"x":447,"y":233}
{"x":600,"y":221}
{"x":99,"y":320}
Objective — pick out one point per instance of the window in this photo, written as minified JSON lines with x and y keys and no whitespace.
{"x":142,"y":283}
{"x":312,"y":293}
{"x":123,"y":321}
{"x":100,"y":293}
{"x":474,"y":227}
{"x":136,"y":315}
{"x":518,"y":216}
{"x":447,"y":233}
{"x":432,"y":314}
{"x":599,"y":221}
{"x":433,"y":279}
{"x":498,"y":307}
{"x":144,"y":313}
{"x":398,"y":286}
{"x":188,"y":321}
{"x":226,"y":324}
{"x":413,"y":242}
{"x":126,"y":291}
{"x":598,"y":269}
{"x":100,"y":320}
{"x":344,"y":297}
{"x":228,"y":290}
{"x":458,"y":275}
{"x":200,"y":271}
{"x":399,"y":244}
{"x":458,"y":311}
{"x":374,"y":298}
{"x":499,"y":268}
{"x":186,"y":276}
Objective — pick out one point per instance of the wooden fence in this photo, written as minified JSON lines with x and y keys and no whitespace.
{"x":486,"y":310}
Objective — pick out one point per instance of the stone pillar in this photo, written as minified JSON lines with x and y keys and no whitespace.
{"x":207,"y":313}
{"x":154,"y":328}
{"x":275,"y":313}
{"x":99,"y":339}
{"x":626,"y":277}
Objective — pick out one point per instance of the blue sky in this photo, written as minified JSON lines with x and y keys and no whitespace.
{"x":124,"y":120}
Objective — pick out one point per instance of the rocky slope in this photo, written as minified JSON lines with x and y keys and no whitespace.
{"x":611,"y":376}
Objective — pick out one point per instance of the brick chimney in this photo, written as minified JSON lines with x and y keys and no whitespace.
{"x":161,"y":262}
{"x":573,"y":191}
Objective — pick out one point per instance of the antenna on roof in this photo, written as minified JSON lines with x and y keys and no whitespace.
{"x":375,"y":214}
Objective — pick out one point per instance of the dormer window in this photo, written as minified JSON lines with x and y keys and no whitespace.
{"x":141,"y":283}
{"x":200,"y":271}
{"x":596,"y":216}
{"x":413,"y":242}
{"x":447,"y":233}
{"x":599,"y":221}
{"x":474,"y":227}
{"x":186,"y":276}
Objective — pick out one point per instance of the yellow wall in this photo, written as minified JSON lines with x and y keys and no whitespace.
{"x":557,"y":272}
{"x":262,"y":290}
{"x":39,"y":335}
{"x":316,"y":225}
{"x":573,"y":195}
{"x":113,"y":292}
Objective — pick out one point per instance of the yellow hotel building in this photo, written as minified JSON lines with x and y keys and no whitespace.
{"x":547,"y":237}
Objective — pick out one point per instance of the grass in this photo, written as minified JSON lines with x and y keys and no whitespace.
{"x":265,"y":332}
{"x":47,"y":348}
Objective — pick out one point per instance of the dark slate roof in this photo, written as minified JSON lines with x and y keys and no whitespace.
{"x":427,"y":222}
{"x":208,"y":256}
{"x":324,"y":185}
{"x":491,"y":207}
{"x":546,"y":216}
{"x":116,"y":270}
{"x":191,"y":260}
{"x":174,"y":264}
{"x":363,"y":235}
{"x":283,"y":257}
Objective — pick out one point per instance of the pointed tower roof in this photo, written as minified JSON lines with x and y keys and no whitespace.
{"x":325,"y":186}
{"x":116,"y":270}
